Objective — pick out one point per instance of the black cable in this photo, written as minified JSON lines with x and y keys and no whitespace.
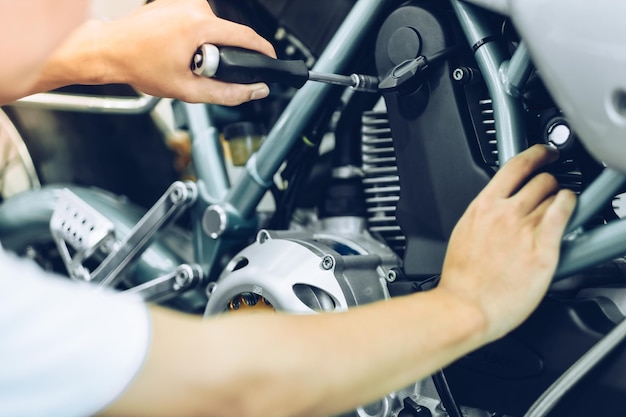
{"x":447,"y":399}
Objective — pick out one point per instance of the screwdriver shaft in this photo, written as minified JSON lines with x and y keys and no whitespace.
{"x":336,"y":79}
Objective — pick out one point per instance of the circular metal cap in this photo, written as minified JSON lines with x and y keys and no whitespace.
{"x":214,"y":221}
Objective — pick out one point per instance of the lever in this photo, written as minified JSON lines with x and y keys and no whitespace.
{"x":243,"y":66}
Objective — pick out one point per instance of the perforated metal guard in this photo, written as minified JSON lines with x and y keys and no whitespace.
{"x":77,"y":225}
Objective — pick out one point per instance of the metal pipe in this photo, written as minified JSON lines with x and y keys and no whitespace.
{"x":508,"y":111}
{"x":90,"y":104}
{"x":515,"y":73}
{"x":207,"y":154}
{"x":595,"y":196}
{"x":591,"y":248}
{"x":247,"y":193}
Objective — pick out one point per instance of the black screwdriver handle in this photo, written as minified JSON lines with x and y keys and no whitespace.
{"x":243,"y":66}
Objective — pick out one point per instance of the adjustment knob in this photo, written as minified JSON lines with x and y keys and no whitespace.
{"x":413,"y":409}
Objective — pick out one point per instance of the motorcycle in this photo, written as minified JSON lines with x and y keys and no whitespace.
{"x":365,"y":189}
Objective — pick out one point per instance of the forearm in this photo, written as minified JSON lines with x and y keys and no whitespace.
{"x":81,"y":59}
{"x":285,"y":365}
{"x":339,"y":362}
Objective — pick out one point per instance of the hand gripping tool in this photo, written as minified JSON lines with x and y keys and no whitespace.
{"x":243,"y":66}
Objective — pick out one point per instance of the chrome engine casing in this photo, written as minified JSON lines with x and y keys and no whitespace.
{"x":332,"y":269}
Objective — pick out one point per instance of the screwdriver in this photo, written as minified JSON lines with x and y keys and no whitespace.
{"x":244,"y":66}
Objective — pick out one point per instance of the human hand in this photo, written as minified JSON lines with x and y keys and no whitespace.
{"x":505,"y":248}
{"x":151,"y":49}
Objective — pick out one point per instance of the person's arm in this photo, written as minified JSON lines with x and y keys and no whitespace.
{"x":501,"y":258}
{"x":151,"y":49}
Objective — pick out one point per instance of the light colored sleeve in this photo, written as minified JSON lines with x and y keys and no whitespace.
{"x":65,"y":349}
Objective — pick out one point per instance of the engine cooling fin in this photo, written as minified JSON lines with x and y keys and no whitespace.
{"x":381,"y":181}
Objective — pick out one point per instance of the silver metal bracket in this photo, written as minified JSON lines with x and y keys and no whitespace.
{"x":165,"y":211}
{"x":163,"y":288}
{"x":79,"y":231}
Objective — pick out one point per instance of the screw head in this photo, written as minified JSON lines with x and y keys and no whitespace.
{"x":328,"y":262}
{"x":458,"y":74}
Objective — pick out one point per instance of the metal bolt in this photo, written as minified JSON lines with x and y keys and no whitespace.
{"x":264,"y":236}
{"x":463,"y":75}
{"x":182,"y":279}
{"x":458,"y":74}
{"x":108,"y":245}
{"x":210,"y":288}
{"x":328,"y":262}
{"x":177,"y":195}
{"x":392,"y":276}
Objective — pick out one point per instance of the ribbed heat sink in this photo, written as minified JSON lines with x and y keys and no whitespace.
{"x":381,"y":180}
{"x":489,"y":125}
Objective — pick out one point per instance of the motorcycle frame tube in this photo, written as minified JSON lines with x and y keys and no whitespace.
{"x":90,"y":104}
{"x":591,"y":248}
{"x":602,"y":190}
{"x":498,"y":6}
{"x":246,"y":194}
{"x":508,"y":111}
{"x":515,"y":73}
{"x":207,"y":154}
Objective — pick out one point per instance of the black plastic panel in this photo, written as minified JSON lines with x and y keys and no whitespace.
{"x":433,"y":137}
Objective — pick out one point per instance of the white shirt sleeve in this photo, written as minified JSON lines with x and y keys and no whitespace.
{"x":65,"y":349}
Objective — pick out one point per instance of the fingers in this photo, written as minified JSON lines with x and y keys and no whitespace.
{"x":228,"y":33}
{"x":555,"y":219}
{"x":235,"y":94}
{"x":513,"y":174}
{"x":534,"y":193}
{"x":212,"y":91}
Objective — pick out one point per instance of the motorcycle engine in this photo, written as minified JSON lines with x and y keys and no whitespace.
{"x":426,"y":151}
